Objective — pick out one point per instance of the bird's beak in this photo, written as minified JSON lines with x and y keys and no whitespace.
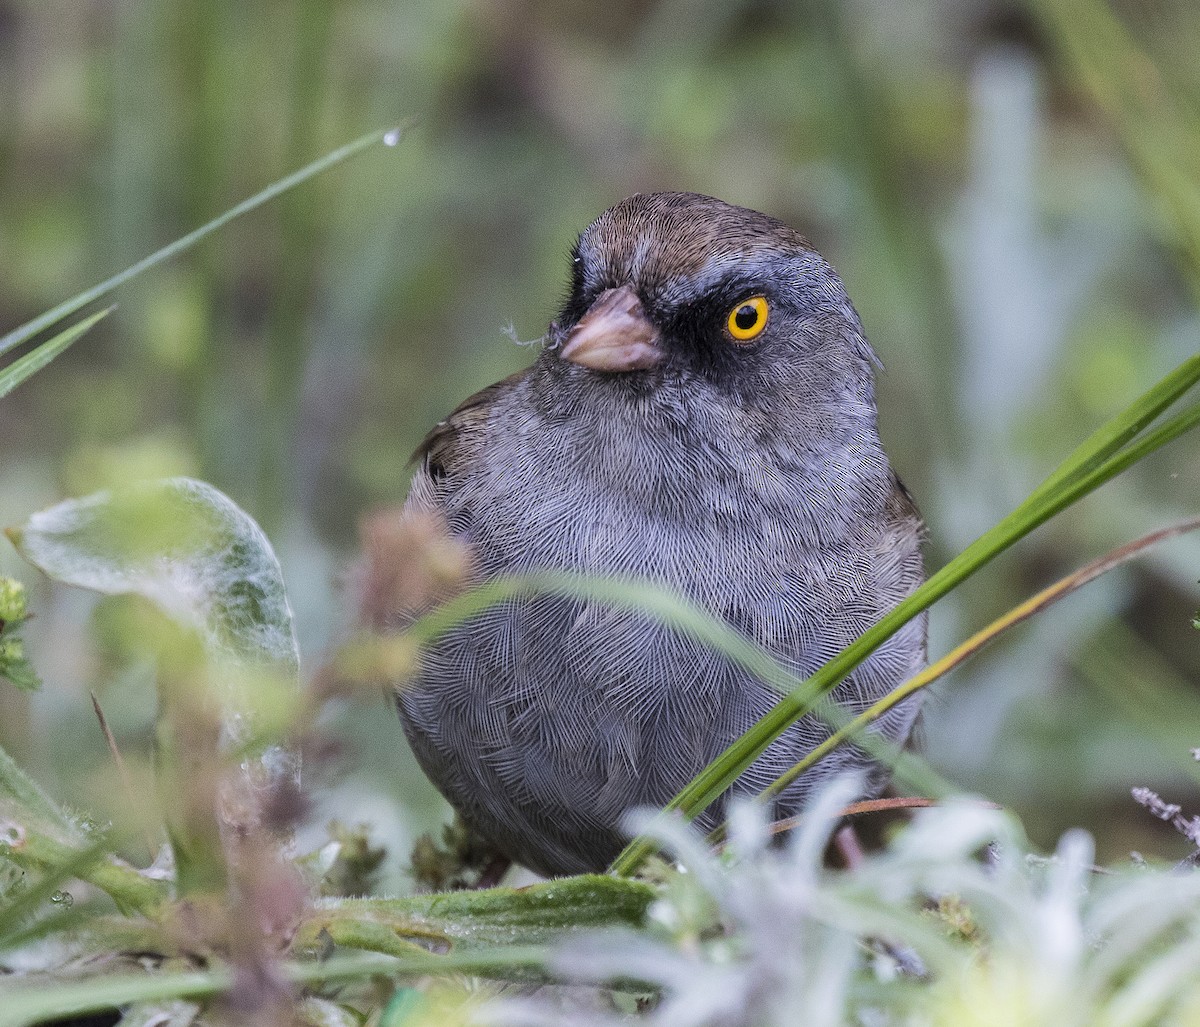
{"x":614,"y":335}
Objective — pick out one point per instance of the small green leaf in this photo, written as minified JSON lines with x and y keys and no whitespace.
{"x":182,"y":544}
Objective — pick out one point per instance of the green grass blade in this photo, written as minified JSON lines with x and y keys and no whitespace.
{"x":33,"y":361}
{"x":28,"y":330}
{"x":56,"y":924}
{"x":1081,"y":485}
{"x":24,"y":806}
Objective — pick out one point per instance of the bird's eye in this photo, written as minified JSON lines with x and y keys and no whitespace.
{"x":748,"y":319}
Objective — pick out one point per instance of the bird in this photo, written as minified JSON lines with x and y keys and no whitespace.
{"x":700,"y":418}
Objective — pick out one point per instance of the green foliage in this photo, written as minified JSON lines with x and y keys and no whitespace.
{"x":181,"y":544}
{"x":64,"y":310}
{"x":487,"y":920}
{"x":37,"y":834}
{"x":765,"y":931}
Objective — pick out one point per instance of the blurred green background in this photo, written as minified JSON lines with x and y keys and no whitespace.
{"x":1010,"y":193}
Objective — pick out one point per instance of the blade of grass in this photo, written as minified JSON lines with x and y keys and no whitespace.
{"x":961,"y":653}
{"x":56,"y":924}
{"x":25,"y":806}
{"x":32,"y":362}
{"x":51,"y":317}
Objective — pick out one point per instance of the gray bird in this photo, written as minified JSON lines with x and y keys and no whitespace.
{"x":703,"y":418}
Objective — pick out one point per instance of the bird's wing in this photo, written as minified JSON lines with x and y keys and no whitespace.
{"x":451,"y":441}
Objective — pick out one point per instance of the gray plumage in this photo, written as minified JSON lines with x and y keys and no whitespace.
{"x":747,"y":477}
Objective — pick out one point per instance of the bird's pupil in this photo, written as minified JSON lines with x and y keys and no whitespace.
{"x":745,"y":317}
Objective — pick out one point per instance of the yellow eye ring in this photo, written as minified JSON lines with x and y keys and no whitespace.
{"x":747,"y":320}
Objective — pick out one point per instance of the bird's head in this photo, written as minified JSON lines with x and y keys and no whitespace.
{"x":681,"y":285}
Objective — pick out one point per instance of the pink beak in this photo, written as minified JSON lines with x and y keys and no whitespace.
{"x":614,"y":335}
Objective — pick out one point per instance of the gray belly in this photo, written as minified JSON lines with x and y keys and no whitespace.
{"x":545,"y":719}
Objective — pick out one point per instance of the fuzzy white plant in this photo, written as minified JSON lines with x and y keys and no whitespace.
{"x":768,"y":936}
